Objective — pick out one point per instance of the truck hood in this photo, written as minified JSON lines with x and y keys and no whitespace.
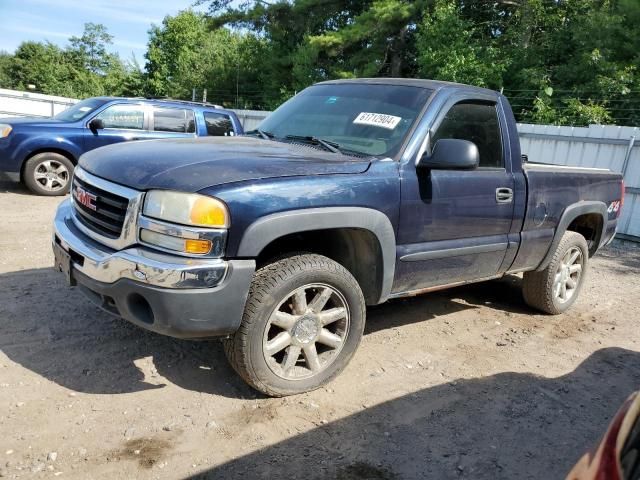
{"x":191,"y":165}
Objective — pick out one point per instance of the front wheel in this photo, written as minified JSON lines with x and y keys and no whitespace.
{"x":48,"y":174}
{"x":554,"y":289}
{"x":303,"y":321}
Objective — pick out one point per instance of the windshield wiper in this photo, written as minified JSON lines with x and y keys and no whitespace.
{"x":328,"y":145}
{"x":262,"y":133}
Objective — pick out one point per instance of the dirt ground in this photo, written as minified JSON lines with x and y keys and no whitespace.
{"x":465,"y":383}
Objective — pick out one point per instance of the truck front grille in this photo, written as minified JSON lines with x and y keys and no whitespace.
{"x":101,"y":211}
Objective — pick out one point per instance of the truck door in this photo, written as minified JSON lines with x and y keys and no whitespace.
{"x":454,"y":224}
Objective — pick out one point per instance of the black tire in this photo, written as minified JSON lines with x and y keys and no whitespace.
{"x":48,"y":163}
{"x":270,"y":290}
{"x":538,"y":287}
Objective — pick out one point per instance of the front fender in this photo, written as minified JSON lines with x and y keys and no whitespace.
{"x":271,"y":227}
{"x":43,"y":143}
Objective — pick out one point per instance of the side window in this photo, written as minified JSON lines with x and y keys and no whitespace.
{"x":130,"y":117}
{"x":478,"y":123}
{"x":218,"y":124}
{"x":177,"y":120}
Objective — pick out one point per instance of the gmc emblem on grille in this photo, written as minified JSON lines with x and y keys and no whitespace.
{"x":84,"y":198}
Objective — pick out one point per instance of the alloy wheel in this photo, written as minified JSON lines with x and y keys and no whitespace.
{"x":51,"y":175}
{"x":568,"y":275}
{"x":306,"y":332}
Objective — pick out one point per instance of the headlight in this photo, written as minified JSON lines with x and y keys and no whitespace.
{"x":5,"y":130}
{"x":186,"y":209}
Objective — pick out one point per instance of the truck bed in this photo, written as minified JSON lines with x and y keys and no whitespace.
{"x":549,"y":189}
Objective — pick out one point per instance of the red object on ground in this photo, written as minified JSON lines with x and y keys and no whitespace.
{"x":604,"y":463}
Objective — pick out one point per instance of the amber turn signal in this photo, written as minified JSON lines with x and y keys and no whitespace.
{"x":200,"y":247}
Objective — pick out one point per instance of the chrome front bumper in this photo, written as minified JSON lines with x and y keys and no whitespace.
{"x":136,"y":263}
{"x":167,"y":294}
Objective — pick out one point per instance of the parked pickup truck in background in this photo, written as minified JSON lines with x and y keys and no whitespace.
{"x":352,"y":193}
{"x":43,"y":152}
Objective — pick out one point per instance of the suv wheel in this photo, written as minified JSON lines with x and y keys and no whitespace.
{"x":303,"y":322}
{"x":554,"y":289}
{"x":48,"y":174}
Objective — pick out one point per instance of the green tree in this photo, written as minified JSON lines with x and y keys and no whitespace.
{"x":84,"y":68}
{"x":184,"y":53}
{"x":5,"y":74}
{"x":32,"y":64}
{"x":378,"y":41}
{"x":558,"y":61}
{"x":175,"y":57}
{"x":587,"y":50}
{"x":451,"y":48}
{"x":134,"y":83}
{"x":313,"y":40}
{"x":90,"y":49}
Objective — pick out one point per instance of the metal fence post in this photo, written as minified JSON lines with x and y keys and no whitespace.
{"x":627,"y":155}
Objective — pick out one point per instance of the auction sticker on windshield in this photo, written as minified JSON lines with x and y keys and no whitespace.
{"x":377,"y":120}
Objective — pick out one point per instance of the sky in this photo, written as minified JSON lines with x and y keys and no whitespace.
{"x":57,"y":20}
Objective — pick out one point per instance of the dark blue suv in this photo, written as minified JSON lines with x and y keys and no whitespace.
{"x":43,"y":152}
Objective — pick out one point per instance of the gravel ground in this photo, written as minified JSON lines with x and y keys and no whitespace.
{"x":465,"y":383}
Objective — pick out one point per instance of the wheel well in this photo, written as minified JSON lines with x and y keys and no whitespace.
{"x":355,"y":249}
{"x":590,"y":227}
{"x":59,"y":151}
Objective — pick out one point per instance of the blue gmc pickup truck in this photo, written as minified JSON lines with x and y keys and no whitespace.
{"x":352,"y":193}
{"x":42,"y":153}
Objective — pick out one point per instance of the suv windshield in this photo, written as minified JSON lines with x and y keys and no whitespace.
{"x":80,"y":109}
{"x":369,"y":119}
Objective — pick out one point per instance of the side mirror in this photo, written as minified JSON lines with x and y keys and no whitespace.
{"x":96,"y":124}
{"x":451,"y":154}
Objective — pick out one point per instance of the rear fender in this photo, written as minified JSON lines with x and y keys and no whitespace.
{"x":568,"y":216}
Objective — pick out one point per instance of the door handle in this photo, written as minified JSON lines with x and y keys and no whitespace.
{"x":504,"y":195}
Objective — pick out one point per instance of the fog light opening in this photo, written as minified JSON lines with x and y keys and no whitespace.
{"x":140,"y":308}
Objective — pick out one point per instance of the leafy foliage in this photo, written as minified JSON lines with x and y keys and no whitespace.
{"x":585,"y":50}
{"x":85,"y":68}
{"x":90,"y":50}
{"x":451,"y":48}
{"x":558,"y":61}
{"x":184,"y":54}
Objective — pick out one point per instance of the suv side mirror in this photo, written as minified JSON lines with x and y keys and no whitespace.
{"x":451,"y":154}
{"x":96,"y":124}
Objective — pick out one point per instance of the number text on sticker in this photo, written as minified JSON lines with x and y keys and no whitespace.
{"x":377,"y":120}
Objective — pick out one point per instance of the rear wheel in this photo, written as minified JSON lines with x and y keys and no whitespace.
{"x":554,"y":289}
{"x":302,"y":324}
{"x":48,"y":174}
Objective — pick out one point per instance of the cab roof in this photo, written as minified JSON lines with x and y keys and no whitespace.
{"x":412,"y":82}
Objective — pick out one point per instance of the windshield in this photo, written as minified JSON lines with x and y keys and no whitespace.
{"x":80,"y":109}
{"x":369,"y":119}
